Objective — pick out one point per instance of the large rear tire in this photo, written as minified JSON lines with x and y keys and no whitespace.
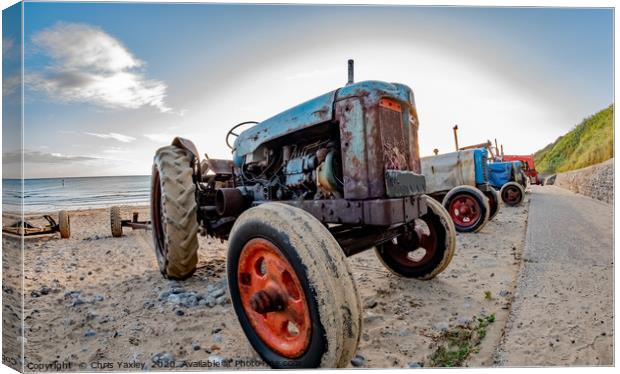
{"x":116,"y":221}
{"x":468,"y":207}
{"x":512,"y":193}
{"x":173,"y":212}
{"x":426,"y":250}
{"x":292,"y":289}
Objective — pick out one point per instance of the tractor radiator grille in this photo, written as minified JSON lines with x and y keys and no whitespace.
{"x":393,"y":140}
{"x":485,"y":168}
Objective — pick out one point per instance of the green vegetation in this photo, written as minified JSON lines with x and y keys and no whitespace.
{"x":460,"y":342}
{"x":590,"y":142}
{"x":488,"y":295}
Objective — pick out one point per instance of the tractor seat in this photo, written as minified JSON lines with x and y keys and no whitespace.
{"x":220,"y":170}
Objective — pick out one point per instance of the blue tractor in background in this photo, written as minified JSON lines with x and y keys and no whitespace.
{"x":509,"y":179}
{"x":460,"y":181}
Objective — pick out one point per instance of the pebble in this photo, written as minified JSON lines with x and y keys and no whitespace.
{"x":177,"y":290}
{"x":358,"y":361}
{"x":180,"y":313}
{"x":163,"y":295}
{"x":217,"y":360}
{"x":369,"y":304}
{"x":221,"y":300}
{"x":89,"y":333}
{"x":441,"y":326}
{"x":79,"y":301}
{"x":216,"y":338}
{"x":73,"y":293}
{"x":174,"y":299}
{"x":163,"y":358}
{"x":218,"y":292}
{"x":415,"y":365}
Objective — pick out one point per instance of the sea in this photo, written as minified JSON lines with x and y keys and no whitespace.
{"x":53,"y":194}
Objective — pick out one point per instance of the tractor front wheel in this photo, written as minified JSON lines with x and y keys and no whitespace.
{"x":426,"y":250}
{"x":512,"y":193}
{"x":493,"y":197}
{"x":468,"y":207}
{"x":173,"y":212}
{"x":291,"y":288}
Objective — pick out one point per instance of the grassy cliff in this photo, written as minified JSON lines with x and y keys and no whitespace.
{"x":590,"y":142}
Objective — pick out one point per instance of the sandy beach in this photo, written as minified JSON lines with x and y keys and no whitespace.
{"x":95,"y":302}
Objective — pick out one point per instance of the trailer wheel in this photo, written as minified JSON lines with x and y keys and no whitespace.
{"x":468,"y":207}
{"x":426,"y":250}
{"x":116,"y":221}
{"x":292,"y":289}
{"x":493,"y":197}
{"x":173,"y":213}
{"x":512,"y":193}
{"x":64,"y":225}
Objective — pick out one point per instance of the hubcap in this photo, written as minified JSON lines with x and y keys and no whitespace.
{"x":415,"y":249}
{"x":464,"y":210}
{"x":273,"y":299}
{"x":511,"y":194}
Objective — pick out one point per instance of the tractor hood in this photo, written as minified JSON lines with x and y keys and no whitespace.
{"x":313,"y":112}
{"x":446,"y":171}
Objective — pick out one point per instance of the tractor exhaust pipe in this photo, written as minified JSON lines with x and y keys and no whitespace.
{"x":496,"y":149}
{"x":456,"y":137}
{"x":350,"y":81}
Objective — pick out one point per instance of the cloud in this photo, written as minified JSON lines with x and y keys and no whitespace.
{"x":11,"y":83}
{"x":160,"y":138}
{"x":115,"y":150}
{"x":90,"y":66}
{"x":37,"y":157}
{"x":8,"y":44}
{"x":113,"y":135}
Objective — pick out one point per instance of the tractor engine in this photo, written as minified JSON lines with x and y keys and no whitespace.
{"x":310,"y":170}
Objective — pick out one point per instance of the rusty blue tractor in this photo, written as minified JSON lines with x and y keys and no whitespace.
{"x":460,"y":181}
{"x":509,"y":179}
{"x":329,"y":178}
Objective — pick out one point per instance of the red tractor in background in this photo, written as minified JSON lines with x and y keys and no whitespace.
{"x":529,"y":169}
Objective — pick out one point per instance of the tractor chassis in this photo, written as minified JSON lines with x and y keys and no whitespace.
{"x":360,"y":225}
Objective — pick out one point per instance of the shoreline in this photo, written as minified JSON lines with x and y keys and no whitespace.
{"x":81,"y":209}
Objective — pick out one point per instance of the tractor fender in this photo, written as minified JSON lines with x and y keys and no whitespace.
{"x":189,"y":146}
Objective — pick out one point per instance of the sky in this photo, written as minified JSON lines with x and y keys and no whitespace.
{"x":108,"y":84}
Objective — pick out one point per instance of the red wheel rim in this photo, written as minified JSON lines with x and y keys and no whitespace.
{"x":417,"y":249}
{"x":273,"y":299}
{"x":511,"y":194}
{"x":464,"y":210}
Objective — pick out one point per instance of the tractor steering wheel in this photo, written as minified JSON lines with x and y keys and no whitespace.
{"x":231,"y":131}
